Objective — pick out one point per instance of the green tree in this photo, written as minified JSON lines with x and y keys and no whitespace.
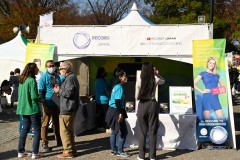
{"x":187,"y":12}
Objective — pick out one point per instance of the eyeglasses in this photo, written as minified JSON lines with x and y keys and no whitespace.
{"x":50,"y":66}
{"x":61,"y":68}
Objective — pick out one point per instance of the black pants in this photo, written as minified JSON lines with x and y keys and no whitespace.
{"x":101,"y":112}
{"x":147,"y":117}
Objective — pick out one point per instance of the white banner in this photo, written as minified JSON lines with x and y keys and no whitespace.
{"x":46,"y":19}
{"x":124,"y":40}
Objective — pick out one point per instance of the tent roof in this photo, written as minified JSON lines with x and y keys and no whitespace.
{"x":134,"y":18}
{"x":14,"y":50}
{"x":12,"y":55}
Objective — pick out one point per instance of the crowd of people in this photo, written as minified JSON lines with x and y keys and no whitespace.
{"x":234,"y":80}
{"x":33,"y":90}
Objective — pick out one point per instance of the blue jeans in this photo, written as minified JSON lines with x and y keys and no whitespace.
{"x":121,"y":139}
{"x":35,"y":121}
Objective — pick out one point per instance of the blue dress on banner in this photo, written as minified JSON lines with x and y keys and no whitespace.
{"x":210,"y":101}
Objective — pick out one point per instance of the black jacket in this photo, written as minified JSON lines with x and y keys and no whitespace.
{"x":233,"y":75}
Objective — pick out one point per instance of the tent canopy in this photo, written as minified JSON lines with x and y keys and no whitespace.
{"x":14,"y":50}
{"x":134,"y":18}
{"x":12,"y":55}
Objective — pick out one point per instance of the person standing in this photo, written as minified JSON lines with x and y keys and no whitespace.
{"x":233,"y":76}
{"x":50,"y":110}
{"x":116,"y":114}
{"x":14,"y":82}
{"x":69,"y":104}
{"x":29,"y":109}
{"x":147,"y":113}
{"x":102,"y":98}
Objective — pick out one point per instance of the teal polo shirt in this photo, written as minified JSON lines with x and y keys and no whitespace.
{"x":46,"y":86}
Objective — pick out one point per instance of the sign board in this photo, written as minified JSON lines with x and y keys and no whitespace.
{"x":180,"y":100}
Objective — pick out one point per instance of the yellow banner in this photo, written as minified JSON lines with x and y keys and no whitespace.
{"x":39,"y":53}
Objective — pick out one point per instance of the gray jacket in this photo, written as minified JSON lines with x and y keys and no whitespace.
{"x":69,"y":95}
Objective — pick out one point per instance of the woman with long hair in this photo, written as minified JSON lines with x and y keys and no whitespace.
{"x":210,"y":79}
{"x":28,"y":107}
{"x":147,"y":113}
{"x":116,"y":115}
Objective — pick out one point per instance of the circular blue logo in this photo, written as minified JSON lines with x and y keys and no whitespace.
{"x":81,"y":40}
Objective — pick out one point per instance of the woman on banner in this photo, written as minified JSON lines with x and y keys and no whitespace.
{"x":147,"y":113}
{"x":28,"y":99}
{"x":210,"y":79}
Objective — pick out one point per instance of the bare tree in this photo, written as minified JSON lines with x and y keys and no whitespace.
{"x":4,"y":7}
{"x":107,"y":12}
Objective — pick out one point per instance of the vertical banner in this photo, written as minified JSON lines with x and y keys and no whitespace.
{"x":42,"y":52}
{"x":38,"y":53}
{"x":209,"y":70}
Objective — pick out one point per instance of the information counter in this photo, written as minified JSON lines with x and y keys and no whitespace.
{"x":174,"y":132}
{"x":85,"y":118}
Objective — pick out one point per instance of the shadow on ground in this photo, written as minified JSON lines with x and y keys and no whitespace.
{"x":9,"y":154}
{"x":8,"y":115}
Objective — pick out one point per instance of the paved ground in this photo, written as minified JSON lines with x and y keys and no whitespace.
{"x":95,"y":146}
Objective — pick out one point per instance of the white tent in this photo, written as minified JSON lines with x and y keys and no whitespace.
{"x":12,"y":55}
{"x":134,"y":18}
{"x":133,"y":36}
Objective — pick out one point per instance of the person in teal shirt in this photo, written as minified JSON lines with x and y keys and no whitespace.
{"x":102,"y":98}
{"x":28,"y":107}
{"x":116,"y":115}
{"x":50,"y":110}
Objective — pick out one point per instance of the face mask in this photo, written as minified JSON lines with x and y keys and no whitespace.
{"x":125,"y":80}
{"x":51,"y":70}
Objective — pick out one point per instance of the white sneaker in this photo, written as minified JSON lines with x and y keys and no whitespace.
{"x":24,"y":154}
{"x":38,"y":155}
{"x":139,"y":158}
